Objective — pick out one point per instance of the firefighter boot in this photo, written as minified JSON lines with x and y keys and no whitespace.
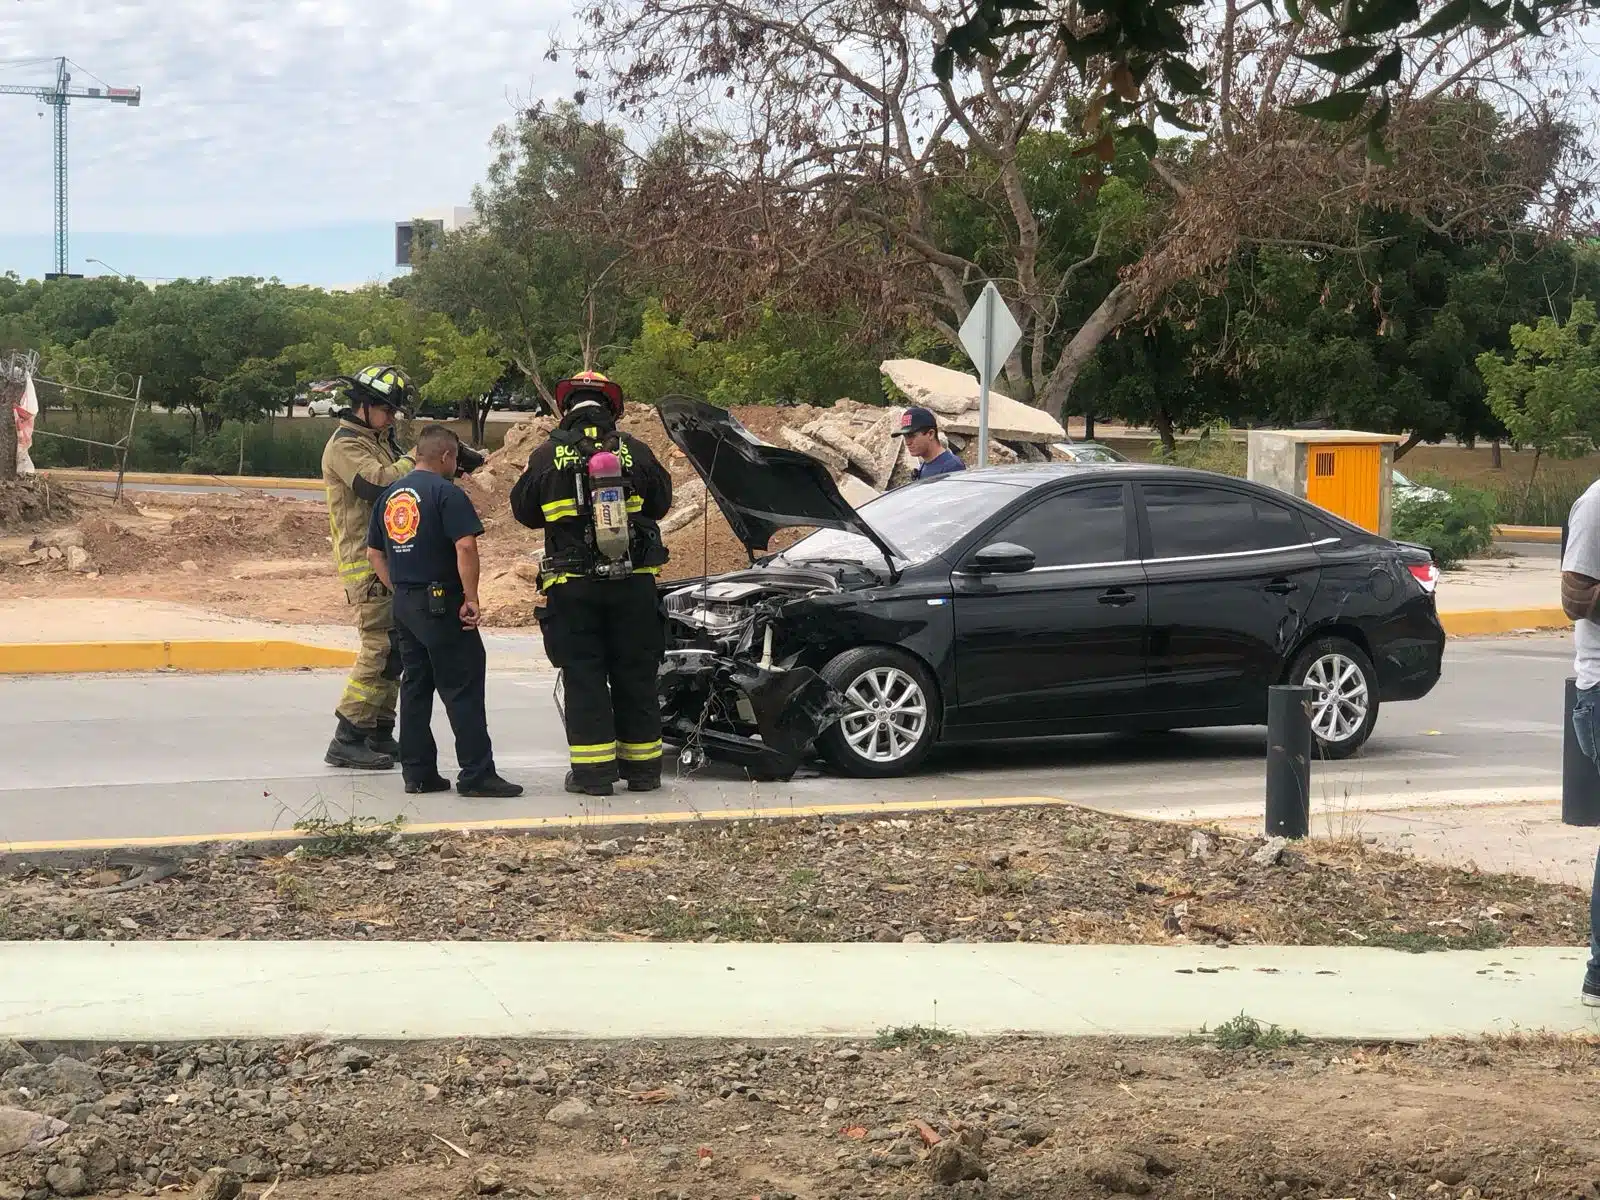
{"x":578,"y":787}
{"x":349,"y":748}
{"x":381,"y":739}
{"x":642,"y":777}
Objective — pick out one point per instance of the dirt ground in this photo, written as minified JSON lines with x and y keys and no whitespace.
{"x":915,"y":1114}
{"x":1061,"y":875}
{"x":268,"y":559}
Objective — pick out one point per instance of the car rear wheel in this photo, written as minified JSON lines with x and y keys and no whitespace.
{"x":1344,"y":695}
{"x":891,"y":719}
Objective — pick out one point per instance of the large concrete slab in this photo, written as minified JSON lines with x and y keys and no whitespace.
{"x":179,"y":756}
{"x":168,"y":991}
{"x":954,"y":395}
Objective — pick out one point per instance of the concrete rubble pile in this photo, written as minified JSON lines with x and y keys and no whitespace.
{"x":60,"y":549}
{"x":854,"y":440}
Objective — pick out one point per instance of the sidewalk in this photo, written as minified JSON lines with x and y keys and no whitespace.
{"x":1502,"y":595}
{"x":170,"y":991}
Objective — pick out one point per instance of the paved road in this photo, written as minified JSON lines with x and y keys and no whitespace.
{"x":170,"y":755}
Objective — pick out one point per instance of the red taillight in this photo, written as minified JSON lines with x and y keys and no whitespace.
{"x":1427,"y":574}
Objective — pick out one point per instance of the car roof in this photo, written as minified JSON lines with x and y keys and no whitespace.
{"x":1031,"y":475}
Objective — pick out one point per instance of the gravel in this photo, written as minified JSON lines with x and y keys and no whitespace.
{"x":935,"y":1117}
{"x":1030,"y":875}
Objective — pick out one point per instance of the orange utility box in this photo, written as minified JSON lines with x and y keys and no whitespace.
{"x":1348,"y":473}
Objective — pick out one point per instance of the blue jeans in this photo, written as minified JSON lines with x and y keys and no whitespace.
{"x":1586,"y":724}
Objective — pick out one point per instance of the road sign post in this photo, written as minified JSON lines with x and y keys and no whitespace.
{"x":988,"y":335}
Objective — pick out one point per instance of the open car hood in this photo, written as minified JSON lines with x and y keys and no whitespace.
{"x":759,"y":488}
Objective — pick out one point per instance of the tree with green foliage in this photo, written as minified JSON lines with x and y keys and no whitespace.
{"x":783,"y":359}
{"x":1144,"y":60}
{"x":825,"y":156}
{"x":554,"y":297}
{"x":1548,"y":393}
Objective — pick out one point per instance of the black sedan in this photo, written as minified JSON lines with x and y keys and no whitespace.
{"x":1025,"y":601}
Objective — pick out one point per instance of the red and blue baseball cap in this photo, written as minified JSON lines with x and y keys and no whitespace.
{"x":915,"y":420}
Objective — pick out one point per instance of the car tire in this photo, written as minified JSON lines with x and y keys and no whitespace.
{"x":895,"y":738}
{"x":1341,"y":726}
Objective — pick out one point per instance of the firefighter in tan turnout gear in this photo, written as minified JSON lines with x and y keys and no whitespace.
{"x":362,"y":458}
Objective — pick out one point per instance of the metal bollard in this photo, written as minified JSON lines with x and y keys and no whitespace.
{"x":1288,"y":761}
{"x":1580,"y":781}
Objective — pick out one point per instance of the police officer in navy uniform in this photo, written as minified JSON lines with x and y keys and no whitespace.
{"x":603,"y":623}
{"x":423,"y":543}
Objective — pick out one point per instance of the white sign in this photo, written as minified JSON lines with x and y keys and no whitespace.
{"x":988,"y":335}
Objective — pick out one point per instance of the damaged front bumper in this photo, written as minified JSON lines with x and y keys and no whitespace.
{"x":764,"y":719}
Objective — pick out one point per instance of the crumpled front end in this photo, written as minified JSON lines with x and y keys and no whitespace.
{"x":725,"y":695}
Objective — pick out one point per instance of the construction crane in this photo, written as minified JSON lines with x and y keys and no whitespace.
{"x":58,"y":95}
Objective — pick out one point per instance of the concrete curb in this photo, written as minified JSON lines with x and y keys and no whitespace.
{"x":58,"y":658}
{"x":1474,"y":622}
{"x":280,"y":841}
{"x":1529,"y":533}
{"x":268,"y":843}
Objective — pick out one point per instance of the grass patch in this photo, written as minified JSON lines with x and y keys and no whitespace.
{"x":295,"y":892}
{"x":918,"y":1037}
{"x":1484,"y":936}
{"x":349,"y":837}
{"x":1244,"y":1032}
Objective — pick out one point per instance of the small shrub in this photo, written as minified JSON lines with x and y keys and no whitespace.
{"x":903,"y":1036}
{"x":1215,"y":449}
{"x":1455,"y":529}
{"x":346,"y":837}
{"x":1244,"y":1032}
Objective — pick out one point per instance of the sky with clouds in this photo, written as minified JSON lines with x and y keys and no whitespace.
{"x":265,"y":115}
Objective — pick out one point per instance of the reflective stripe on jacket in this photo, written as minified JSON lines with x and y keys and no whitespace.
{"x":357,"y":464}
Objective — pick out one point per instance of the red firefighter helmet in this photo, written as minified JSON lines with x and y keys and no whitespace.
{"x":589,"y":381}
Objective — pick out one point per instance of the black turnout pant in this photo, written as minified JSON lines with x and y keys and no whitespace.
{"x":608,"y":636}
{"x":438,"y":655}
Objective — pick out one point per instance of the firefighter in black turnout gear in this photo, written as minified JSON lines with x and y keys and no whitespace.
{"x":599,"y":494}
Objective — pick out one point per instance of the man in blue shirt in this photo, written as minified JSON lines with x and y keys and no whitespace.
{"x":921,"y":432}
{"x":423,"y":543}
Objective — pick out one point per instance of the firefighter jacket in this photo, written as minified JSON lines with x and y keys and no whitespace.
{"x":549,"y":496}
{"x":357,"y":464}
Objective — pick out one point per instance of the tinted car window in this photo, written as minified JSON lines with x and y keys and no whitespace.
{"x":1188,"y":520}
{"x":922,"y":521}
{"x":1073,"y":529}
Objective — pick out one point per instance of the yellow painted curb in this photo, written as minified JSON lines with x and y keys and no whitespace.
{"x":1529,"y":533}
{"x":239,"y":481}
{"x":535,"y":824}
{"x":57,"y":658}
{"x":1476,"y":621}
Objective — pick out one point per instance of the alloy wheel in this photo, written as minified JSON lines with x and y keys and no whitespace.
{"x":888,"y":714}
{"x":1340,"y":700}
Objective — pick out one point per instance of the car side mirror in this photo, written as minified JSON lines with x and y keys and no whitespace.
{"x":1002,"y":558}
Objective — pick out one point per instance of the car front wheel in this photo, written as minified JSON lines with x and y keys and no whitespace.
{"x":1344,"y":695}
{"x":891,"y":716}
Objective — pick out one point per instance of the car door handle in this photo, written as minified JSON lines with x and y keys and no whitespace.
{"x":1117,"y":597}
{"x":1282,"y":587}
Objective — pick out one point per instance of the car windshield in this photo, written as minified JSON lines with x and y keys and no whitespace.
{"x":922,"y":521}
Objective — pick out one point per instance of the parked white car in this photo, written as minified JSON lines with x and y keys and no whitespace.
{"x":1088,"y":452}
{"x":322,"y":406}
{"x":1407,"y":489}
